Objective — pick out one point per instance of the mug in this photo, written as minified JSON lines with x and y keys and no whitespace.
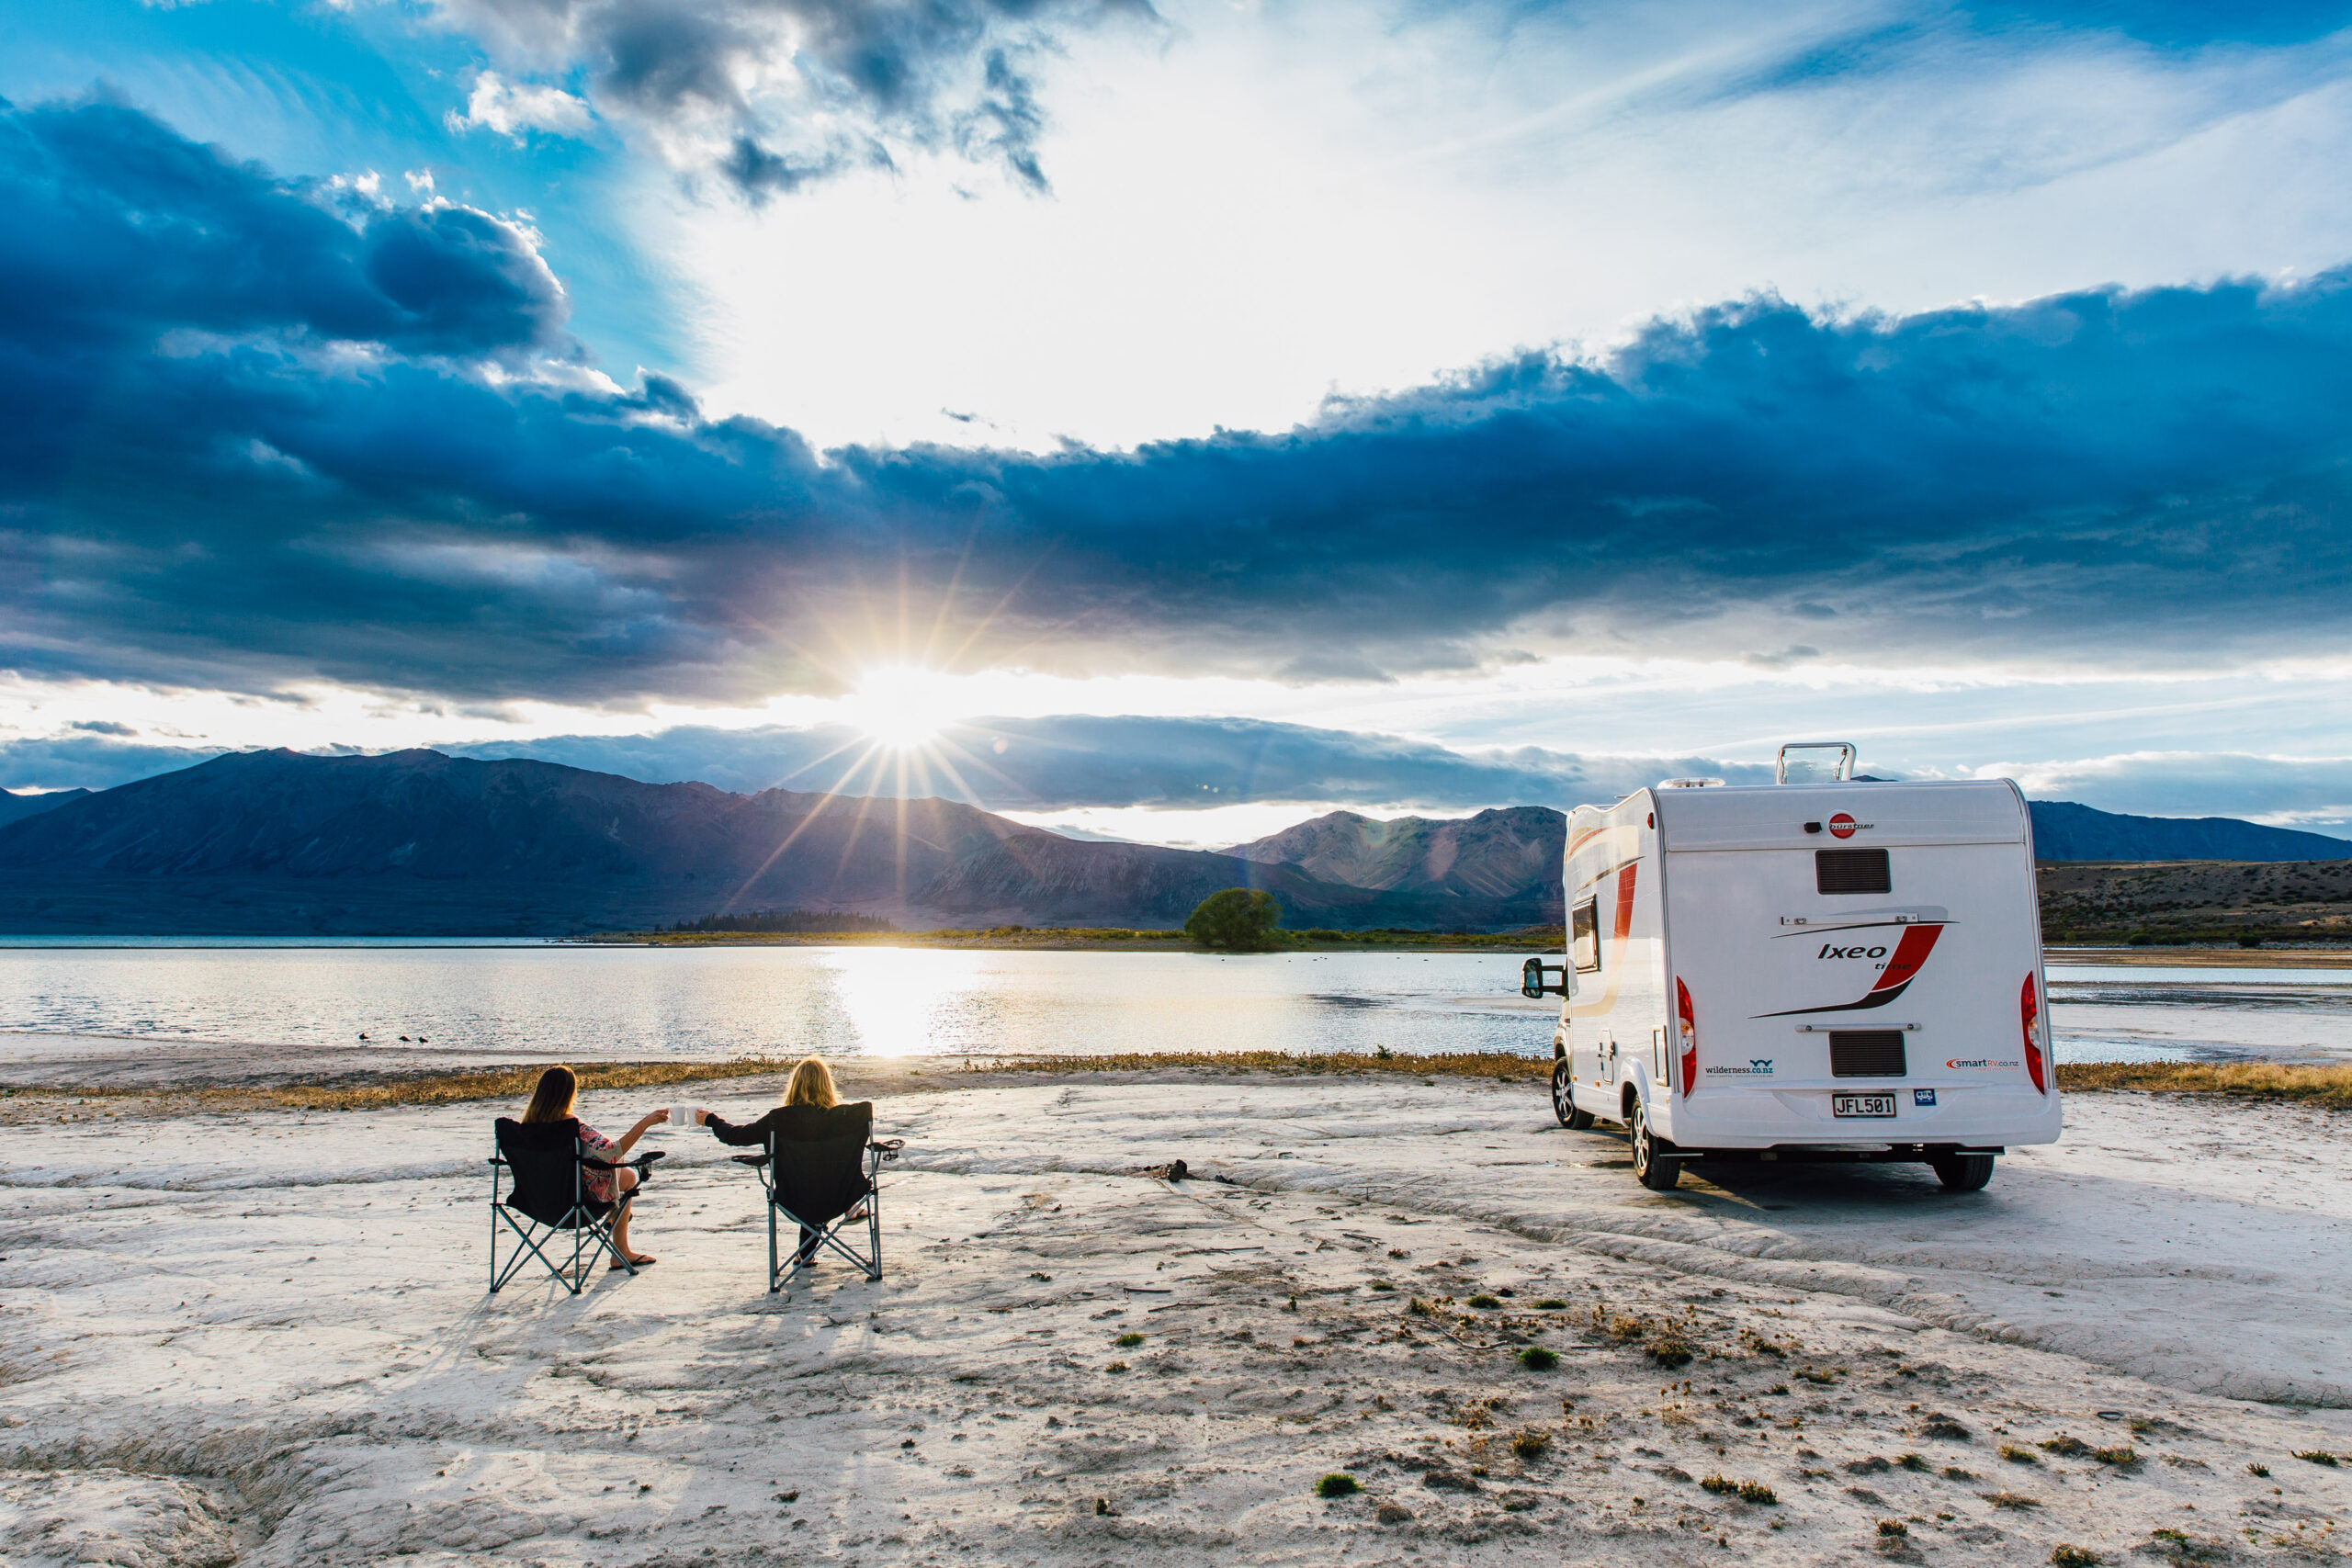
{"x":684,"y":1115}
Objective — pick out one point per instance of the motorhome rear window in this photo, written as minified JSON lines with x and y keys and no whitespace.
{"x":1866,"y":1052}
{"x":1851,"y":871}
{"x":1584,"y":937}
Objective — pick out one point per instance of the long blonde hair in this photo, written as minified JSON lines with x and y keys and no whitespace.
{"x":551,"y":1101}
{"x":812,"y":1084}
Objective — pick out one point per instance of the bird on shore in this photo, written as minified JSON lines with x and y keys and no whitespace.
{"x":403,"y":1039}
{"x":363,"y":1034}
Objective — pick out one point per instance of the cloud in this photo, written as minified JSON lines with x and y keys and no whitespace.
{"x":510,"y":109}
{"x":2285,"y":792}
{"x":248,"y":438}
{"x":770,"y":93}
{"x":1079,"y":761}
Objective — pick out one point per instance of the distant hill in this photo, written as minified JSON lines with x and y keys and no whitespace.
{"x":2066,"y":832}
{"x":1510,"y":856}
{"x":16,"y":808}
{"x":419,"y":843}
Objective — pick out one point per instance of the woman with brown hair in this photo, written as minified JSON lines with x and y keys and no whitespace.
{"x":553,"y":1100}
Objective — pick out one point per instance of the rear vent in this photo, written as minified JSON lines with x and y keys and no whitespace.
{"x":1851,"y":871}
{"x":1866,"y":1052}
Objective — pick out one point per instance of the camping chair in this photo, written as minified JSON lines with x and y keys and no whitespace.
{"x":551,"y":1197}
{"x":821,"y":1163}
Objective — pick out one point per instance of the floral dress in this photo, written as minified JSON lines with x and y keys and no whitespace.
{"x":599,"y":1183}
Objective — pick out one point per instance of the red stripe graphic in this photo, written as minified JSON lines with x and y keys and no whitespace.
{"x":1909,"y":954}
{"x":1625,"y":903}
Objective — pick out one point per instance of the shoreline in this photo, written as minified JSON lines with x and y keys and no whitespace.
{"x":2322,"y":1088}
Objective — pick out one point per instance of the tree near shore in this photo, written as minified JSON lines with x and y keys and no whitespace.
{"x":1241,"y":920}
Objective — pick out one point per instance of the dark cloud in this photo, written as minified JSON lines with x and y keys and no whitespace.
{"x":783,"y":92}
{"x":198,"y":484}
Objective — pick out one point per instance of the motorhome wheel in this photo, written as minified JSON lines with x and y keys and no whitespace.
{"x":1564,"y":1101}
{"x":1963,"y":1173}
{"x":1657,"y":1171}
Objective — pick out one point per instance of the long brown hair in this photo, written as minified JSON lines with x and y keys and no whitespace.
{"x":551,"y":1101}
{"x":812,"y":1084}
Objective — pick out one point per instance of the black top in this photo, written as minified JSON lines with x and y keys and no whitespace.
{"x":798,"y":1124}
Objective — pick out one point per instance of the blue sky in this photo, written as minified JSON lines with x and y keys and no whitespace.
{"x":1172,"y":419}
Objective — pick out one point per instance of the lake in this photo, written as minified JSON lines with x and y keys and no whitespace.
{"x":502,"y":1000}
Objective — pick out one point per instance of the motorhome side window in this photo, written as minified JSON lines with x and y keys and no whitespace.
{"x":1851,"y":871}
{"x":1584,"y":937}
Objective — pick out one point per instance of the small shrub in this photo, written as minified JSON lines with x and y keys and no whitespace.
{"x":1116,"y":1367}
{"x":2316,"y":1456}
{"x":1892,"y":1527}
{"x":2066,"y":1556}
{"x":1758,"y":1492}
{"x":2016,"y":1455}
{"x":1719,"y":1484}
{"x":1944,"y":1426}
{"x":1550,"y":1303}
{"x":2261,"y":1470}
{"x":1128,"y":1341}
{"x":1823,"y":1376}
{"x":1778,"y":1388}
{"x":1382,"y":1285}
{"x":1485,"y":1302}
{"x":1531,"y":1443}
{"x":1419,"y":1308}
{"x":1339,"y":1483}
{"x":2122,"y":1459}
{"x":1624,"y":1329}
{"x":2063,"y":1444}
{"x":1536,"y":1359}
{"x":1668,"y":1349}
{"x":2011,"y":1500}
{"x":1954,"y":1472}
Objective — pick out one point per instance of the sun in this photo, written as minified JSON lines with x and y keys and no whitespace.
{"x":903,"y":707}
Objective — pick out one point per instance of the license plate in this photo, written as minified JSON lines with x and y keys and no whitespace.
{"x":1861,"y":1105}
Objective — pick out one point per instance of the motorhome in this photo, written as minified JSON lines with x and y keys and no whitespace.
{"x":1830,"y":967}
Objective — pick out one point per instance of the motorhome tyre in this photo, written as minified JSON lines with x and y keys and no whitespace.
{"x":1963,"y":1173}
{"x":1653,"y":1168}
{"x":1564,"y":1100}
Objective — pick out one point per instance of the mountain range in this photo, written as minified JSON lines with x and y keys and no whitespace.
{"x":419,"y":843}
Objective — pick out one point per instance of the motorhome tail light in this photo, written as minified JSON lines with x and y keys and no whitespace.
{"x":2029,"y":1016}
{"x":1688,"y":1019}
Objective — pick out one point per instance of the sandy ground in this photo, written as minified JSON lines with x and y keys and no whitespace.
{"x":264,"y":1338}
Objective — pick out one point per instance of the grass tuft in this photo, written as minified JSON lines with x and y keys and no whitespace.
{"x":2122,"y":1459}
{"x":1116,"y":1367}
{"x":2065,"y":1556}
{"x":2316,"y":1456}
{"x":1536,"y":1359}
{"x":1128,"y":1341}
{"x":2011,"y":1500}
{"x":1914,"y":1462}
{"x":1550,"y":1303}
{"x":1893,"y":1527}
{"x":2063,"y":1444}
{"x":1486,"y":1303}
{"x":2016,"y":1455}
{"x":1339,"y":1483}
{"x":1531,"y":1443}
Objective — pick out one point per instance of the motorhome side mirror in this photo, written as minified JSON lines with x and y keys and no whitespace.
{"x":1533,"y":984}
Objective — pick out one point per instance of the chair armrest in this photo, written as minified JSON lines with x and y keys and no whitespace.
{"x":639,"y":1163}
{"x":749,"y":1159}
{"x":495,"y":1160}
{"x":887,"y":1148}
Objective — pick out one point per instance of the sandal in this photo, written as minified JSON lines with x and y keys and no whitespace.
{"x":616,"y":1266}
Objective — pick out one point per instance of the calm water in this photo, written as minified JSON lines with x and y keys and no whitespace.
{"x":558,"y":1000}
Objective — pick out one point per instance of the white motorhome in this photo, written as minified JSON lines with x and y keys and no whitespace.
{"x":1829,"y":968}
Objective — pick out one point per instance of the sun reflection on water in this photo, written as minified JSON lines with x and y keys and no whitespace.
{"x":905,"y":1004}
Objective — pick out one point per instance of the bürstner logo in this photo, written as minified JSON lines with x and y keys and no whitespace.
{"x":1980,"y":1065}
{"x":1757,"y":1067}
{"x":1844,"y":827}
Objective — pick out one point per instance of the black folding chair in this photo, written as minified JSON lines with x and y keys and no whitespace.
{"x":821,"y":1162}
{"x":550,"y":1168}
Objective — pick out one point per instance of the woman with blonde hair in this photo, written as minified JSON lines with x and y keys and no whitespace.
{"x":554,"y":1100}
{"x":810,"y":1089}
